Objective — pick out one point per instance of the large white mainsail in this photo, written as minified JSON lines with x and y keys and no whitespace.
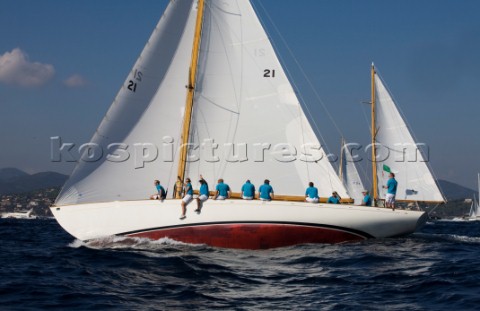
{"x":146,"y":115}
{"x":349,"y":175}
{"x":245,"y":103}
{"x":399,"y":154}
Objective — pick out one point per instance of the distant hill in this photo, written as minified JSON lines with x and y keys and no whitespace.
{"x":9,"y":173}
{"x":454,"y":191}
{"x":16,"y":181}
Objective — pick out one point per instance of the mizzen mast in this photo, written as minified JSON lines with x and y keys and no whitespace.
{"x":374,"y":134}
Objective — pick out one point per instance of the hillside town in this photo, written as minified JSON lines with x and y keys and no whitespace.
{"x":37,"y":201}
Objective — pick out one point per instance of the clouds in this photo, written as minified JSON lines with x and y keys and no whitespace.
{"x":16,"y":69}
{"x":75,"y":81}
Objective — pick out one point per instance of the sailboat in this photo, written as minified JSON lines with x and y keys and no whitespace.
{"x":348,"y":174}
{"x":396,"y":151}
{"x":474,"y":213}
{"x":209,"y":81}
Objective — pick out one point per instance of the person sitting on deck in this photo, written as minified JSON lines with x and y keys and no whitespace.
{"x":367,"y":200}
{"x":265,"y":192}
{"x":223,"y":190}
{"x":161,"y":194}
{"x":334,"y":199}
{"x":248,"y":190}
{"x":187,"y":198}
{"x":203,"y":194}
{"x":311,"y":194}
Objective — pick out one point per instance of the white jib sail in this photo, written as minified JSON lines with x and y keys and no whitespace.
{"x":145,"y":117}
{"x":247,"y":121}
{"x":350,"y":176}
{"x":400,"y":154}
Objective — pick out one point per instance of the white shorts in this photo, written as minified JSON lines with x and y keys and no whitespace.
{"x":203,"y":198}
{"x":311,"y":200}
{"x":247,"y":198}
{"x":390,"y":198}
{"x":187,"y":198}
{"x":220,"y":198}
{"x":265,"y":199}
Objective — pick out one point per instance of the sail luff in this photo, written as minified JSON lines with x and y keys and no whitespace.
{"x":190,"y":92}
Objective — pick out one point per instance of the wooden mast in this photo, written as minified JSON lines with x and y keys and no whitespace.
{"x":190,"y":92}
{"x":374,"y":149}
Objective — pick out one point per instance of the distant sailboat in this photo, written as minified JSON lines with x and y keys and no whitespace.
{"x":209,"y":77}
{"x":474,"y":213}
{"x":401,"y":154}
{"x":348,"y":174}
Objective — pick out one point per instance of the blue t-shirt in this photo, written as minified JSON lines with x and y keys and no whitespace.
{"x":333,"y":200}
{"x":160,"y":189}
{"x":392,"y":186}
{"x":248,"y":190}
{"x":367,"y":200}
{"x":223,"y":189}
{"x":189,"y":189}
{"x":312,"y":192}
{"x":265,"y":191}
{"x":204,"y":189}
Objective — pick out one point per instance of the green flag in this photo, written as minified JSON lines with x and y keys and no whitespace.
{"x":386,"y":168}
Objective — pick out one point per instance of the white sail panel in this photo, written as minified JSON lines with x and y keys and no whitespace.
{"x":243,"y":97}
{"x":399,"y":153}
{"x":350,"y":176}
{"x":146,"y":116}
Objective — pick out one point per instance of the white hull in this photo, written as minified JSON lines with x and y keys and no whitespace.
{"x":155,"y":219}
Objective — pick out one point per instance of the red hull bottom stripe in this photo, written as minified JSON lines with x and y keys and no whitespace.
{"x":251,"y":236}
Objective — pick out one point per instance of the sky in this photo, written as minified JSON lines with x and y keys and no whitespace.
{"x":62,"y":63}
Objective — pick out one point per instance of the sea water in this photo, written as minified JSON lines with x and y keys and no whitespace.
{"x":42,"y":267}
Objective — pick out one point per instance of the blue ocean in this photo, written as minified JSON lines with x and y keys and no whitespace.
{"x":42,"y":267}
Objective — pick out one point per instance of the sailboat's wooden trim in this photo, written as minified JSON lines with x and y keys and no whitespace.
{"x":282,"y":197}
{"x":374,"y":133}
{"x":190,"y":91}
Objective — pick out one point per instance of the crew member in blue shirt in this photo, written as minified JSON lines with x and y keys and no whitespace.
{"x":334,"y":199}
{"x":391,"y":191}
{"x":203,"y":194}
{"x":223,"y":190}
{"x":311,"y":194}
{"x":188,"y":197}
{"x":248,"y":190}
{"x":367,"y":200}
{"x":265,"y":192}
{"x":160,"y":192}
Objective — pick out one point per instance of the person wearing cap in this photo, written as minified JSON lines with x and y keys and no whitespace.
{"x":203,"y":194}
{"x":367,"y":200}
{"x":248,"y":190}
{"x":161,"y":194}
{"x":187,"y":198}
{"x":223,"y":190}
{"x":334,"y":199}
{"x":265,"y":192}
{"x":311,"y":194}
